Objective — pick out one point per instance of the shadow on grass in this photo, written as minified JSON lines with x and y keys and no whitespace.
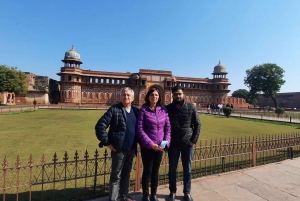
{"x":70,"y":194}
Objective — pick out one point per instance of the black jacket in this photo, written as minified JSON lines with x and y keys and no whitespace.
{"x":185,"y":124}
{"x":114,"y":118}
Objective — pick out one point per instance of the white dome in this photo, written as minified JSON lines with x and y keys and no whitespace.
{"x":72,"y":54}
{"x":220,"y":68}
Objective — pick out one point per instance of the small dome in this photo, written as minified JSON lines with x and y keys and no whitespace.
{"x":220,"y":68}
{"x":136,"y":77}
{"x":72,"y":54}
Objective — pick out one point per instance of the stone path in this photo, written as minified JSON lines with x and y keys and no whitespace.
{"x":274,"y":182}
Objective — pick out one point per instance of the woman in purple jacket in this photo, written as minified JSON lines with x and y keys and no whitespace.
{"x":153,"y":131}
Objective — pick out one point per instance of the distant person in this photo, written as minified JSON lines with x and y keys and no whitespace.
{"x":220,"y":107}
{"x":208,"y":108}
{"x":34,"y":103}
{"x":121,"y":139}
{"x":153,"y":130}
{"x":212,"y":108}
{"x":185,"y":131}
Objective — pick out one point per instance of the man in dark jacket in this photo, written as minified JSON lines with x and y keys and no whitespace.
{"x":121,"y":140}
{"x":185,"y":131}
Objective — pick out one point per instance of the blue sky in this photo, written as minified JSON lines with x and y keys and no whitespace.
{"x":183,"y":36}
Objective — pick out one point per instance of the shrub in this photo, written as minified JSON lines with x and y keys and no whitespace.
{"x":227,"y":111}
{"x":279,"y":111}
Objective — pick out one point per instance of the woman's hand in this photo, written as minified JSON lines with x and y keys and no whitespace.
{"x":156,"y":147}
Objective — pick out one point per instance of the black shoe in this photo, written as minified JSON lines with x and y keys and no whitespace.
{"x":153,"y":198}
{"x":127,"y":199}
{"x":188,"y":197}
{"x":146,"y":198}
{"x":172,"y":197}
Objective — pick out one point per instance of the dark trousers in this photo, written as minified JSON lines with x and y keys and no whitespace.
{"x":186,"y":158}
{"x":121,"y":165}
{"x":151,"y":162}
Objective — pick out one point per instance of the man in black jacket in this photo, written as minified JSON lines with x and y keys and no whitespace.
{"x":121,"y":140}
{"x":185,"y":131}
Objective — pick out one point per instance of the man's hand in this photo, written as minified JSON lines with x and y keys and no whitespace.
{"x":192,"y":144}
{"x":111,"y":147}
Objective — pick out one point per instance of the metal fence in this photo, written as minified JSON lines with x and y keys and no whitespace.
{"x":76,"y":178}
{"x":269,"y":116}
{"x":288,"y":117}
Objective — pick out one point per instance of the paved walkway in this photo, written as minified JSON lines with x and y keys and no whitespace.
{"x":274,"y":182}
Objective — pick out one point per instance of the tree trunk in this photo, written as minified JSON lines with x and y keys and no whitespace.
{"x":275,"y":101}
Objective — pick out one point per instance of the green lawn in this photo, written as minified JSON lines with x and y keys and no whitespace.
{"x":48,"y":131}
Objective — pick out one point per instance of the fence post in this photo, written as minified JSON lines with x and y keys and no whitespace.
{"x":223,"y":164}
{"x":290,"y":152}
{"x":5,"y":164}
{"x":290,"y":119}
{"x":96,"y":168}
{"x":137,"y":172}
{"x":254,"y":153}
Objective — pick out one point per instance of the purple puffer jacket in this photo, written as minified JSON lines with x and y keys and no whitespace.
{"x":153,"y":126}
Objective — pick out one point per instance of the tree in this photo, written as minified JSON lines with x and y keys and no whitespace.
{"x":243,"y":93}
{"x":240,"y":93}
{"x":227,"y":111}
{"x":265,"y":78}
{"x":279,"y":111}
{"x":12,"y":80}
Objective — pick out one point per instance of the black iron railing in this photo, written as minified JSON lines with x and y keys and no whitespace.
{"x":76,"y":178}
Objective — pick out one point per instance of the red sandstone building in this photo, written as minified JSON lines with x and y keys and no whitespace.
{"x":87,"y":87}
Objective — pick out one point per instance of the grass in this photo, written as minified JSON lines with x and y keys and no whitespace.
{"x":48,"y":131}
{"x":44,"y":131}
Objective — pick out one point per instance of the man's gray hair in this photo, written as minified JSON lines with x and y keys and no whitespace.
{"x":127,"y":89}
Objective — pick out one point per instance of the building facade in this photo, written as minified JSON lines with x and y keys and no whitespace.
{"x":40,"y":89}
{"x":285,"y":100}
{"x":88,"y":87}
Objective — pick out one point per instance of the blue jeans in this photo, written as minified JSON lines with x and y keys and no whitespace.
{"x":186,"y":158}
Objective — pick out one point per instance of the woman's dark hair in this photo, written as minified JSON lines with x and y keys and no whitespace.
{"x":149,"y":93}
